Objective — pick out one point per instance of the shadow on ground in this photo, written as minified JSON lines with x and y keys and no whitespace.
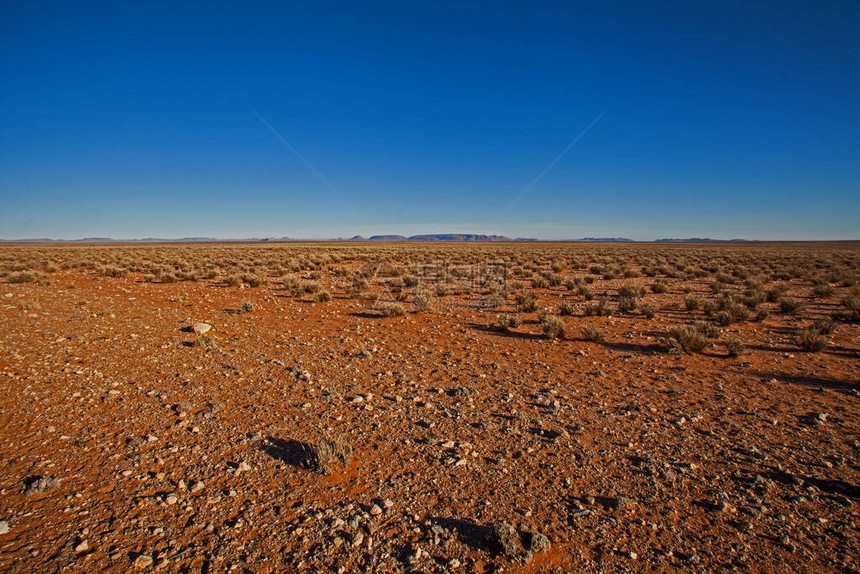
{"x":290,"y":451}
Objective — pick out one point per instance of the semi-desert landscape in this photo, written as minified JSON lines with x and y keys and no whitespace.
{"x":430,"y":407}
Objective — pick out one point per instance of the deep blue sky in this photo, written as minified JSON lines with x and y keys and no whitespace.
{"x":723,"y":119}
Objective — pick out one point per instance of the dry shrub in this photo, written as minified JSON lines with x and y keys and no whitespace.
{"x":693,"y":303}
{"x":552,"y":326}
{"x":323,"y":296}
{"x":421,"y":302}
{"x":686,"y":339}
{"x":734,"y":347}
{"x":649,"y":310}
{"x":790,"y":305}
{"x":566,"y":309}
{"x":393,"y":310}
{"x":329,"y":454}
{"x":505,"y":322}
{"x":526,"y":302}
{"x":22,"y":277}
{"x":591,"y":333}
{"x":810,"y":340}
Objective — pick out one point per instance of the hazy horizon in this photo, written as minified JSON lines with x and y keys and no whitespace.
{"x":555,"y":121}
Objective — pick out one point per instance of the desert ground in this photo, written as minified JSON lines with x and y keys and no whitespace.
{"x":401,"y":407}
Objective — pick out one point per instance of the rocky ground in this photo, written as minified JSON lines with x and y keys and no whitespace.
{"x":131,"y":442}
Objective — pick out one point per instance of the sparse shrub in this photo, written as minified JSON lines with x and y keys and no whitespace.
{"x":247,"y":307}
{"x":359,"y":285}
{"x":627,"y":304}
{"x":329,"y":455}
{"x":693,"y":303}
{"x":753,"y":298}
{"x":311,"y":287}
{"x":393,"y":310}
{"x":493,"y":302}
{"x":205,"y":341}
{"x":600,"y":309}
{"x":811,"y":340}
{"x":323,"y":296}
{"x":734,"y":347}
{"x":410,"y":281}
{"x":631,"y":290}
{"x":824,"y":326}
{"x":591,"y":333}
{"x":823,"y":290}
{"x":762,"y":315}
{"x":790,"y":305}
{"x":659,"y":287}
{"x":566,"y":309}
{"x":686,"y":339}
{"x":552,"y":326}
{"x":776,"y":292}
{"x":851,"y":305}
{"x":649,"y":310}
{"x":505,"y":322}
{"x":586,"y":292}
{"x":706,"y":329}
{"x":252,"y":280}
{"x":22,"y":277}
{"x":526,"y":302}
{"x":420,"y":302}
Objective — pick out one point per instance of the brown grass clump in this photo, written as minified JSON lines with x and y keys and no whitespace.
{"x":811,"y":340}
{"x":22,"y":277}
{"x":686,"y":339}
{"x":552,"y":326}
{"x":526,"y":302}
{"x":329,"y":454}
{"x":591,"y":333}
{"x":505,"y":322}
{"x":734,"y":347}
{"x":790,"y":305}
{"x":421,"y":302}
{"x":393,"y":310}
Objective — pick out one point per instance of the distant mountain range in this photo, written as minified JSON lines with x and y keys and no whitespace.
{"x":700,"y":240}
{"x":448,"y":237}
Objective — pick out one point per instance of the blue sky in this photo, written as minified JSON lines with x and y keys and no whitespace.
{"x":723,"y":119}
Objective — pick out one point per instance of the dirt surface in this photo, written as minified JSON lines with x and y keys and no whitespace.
{"x":130,"y":442}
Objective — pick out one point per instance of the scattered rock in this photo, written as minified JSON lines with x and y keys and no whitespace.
{"x":41,"y":484}
{"x":506,"y":537}
{"x":82,"y":547}
{"x":4,"y":527}
{"x":142,"y":562}
{"x":201,"y":328}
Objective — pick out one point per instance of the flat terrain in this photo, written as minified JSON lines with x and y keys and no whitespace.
{"x":699,"y":412}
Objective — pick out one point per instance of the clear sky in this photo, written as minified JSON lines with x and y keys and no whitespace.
{"x":722,"y":119}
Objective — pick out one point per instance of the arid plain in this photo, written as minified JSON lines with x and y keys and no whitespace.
{"x":432,"y":407}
